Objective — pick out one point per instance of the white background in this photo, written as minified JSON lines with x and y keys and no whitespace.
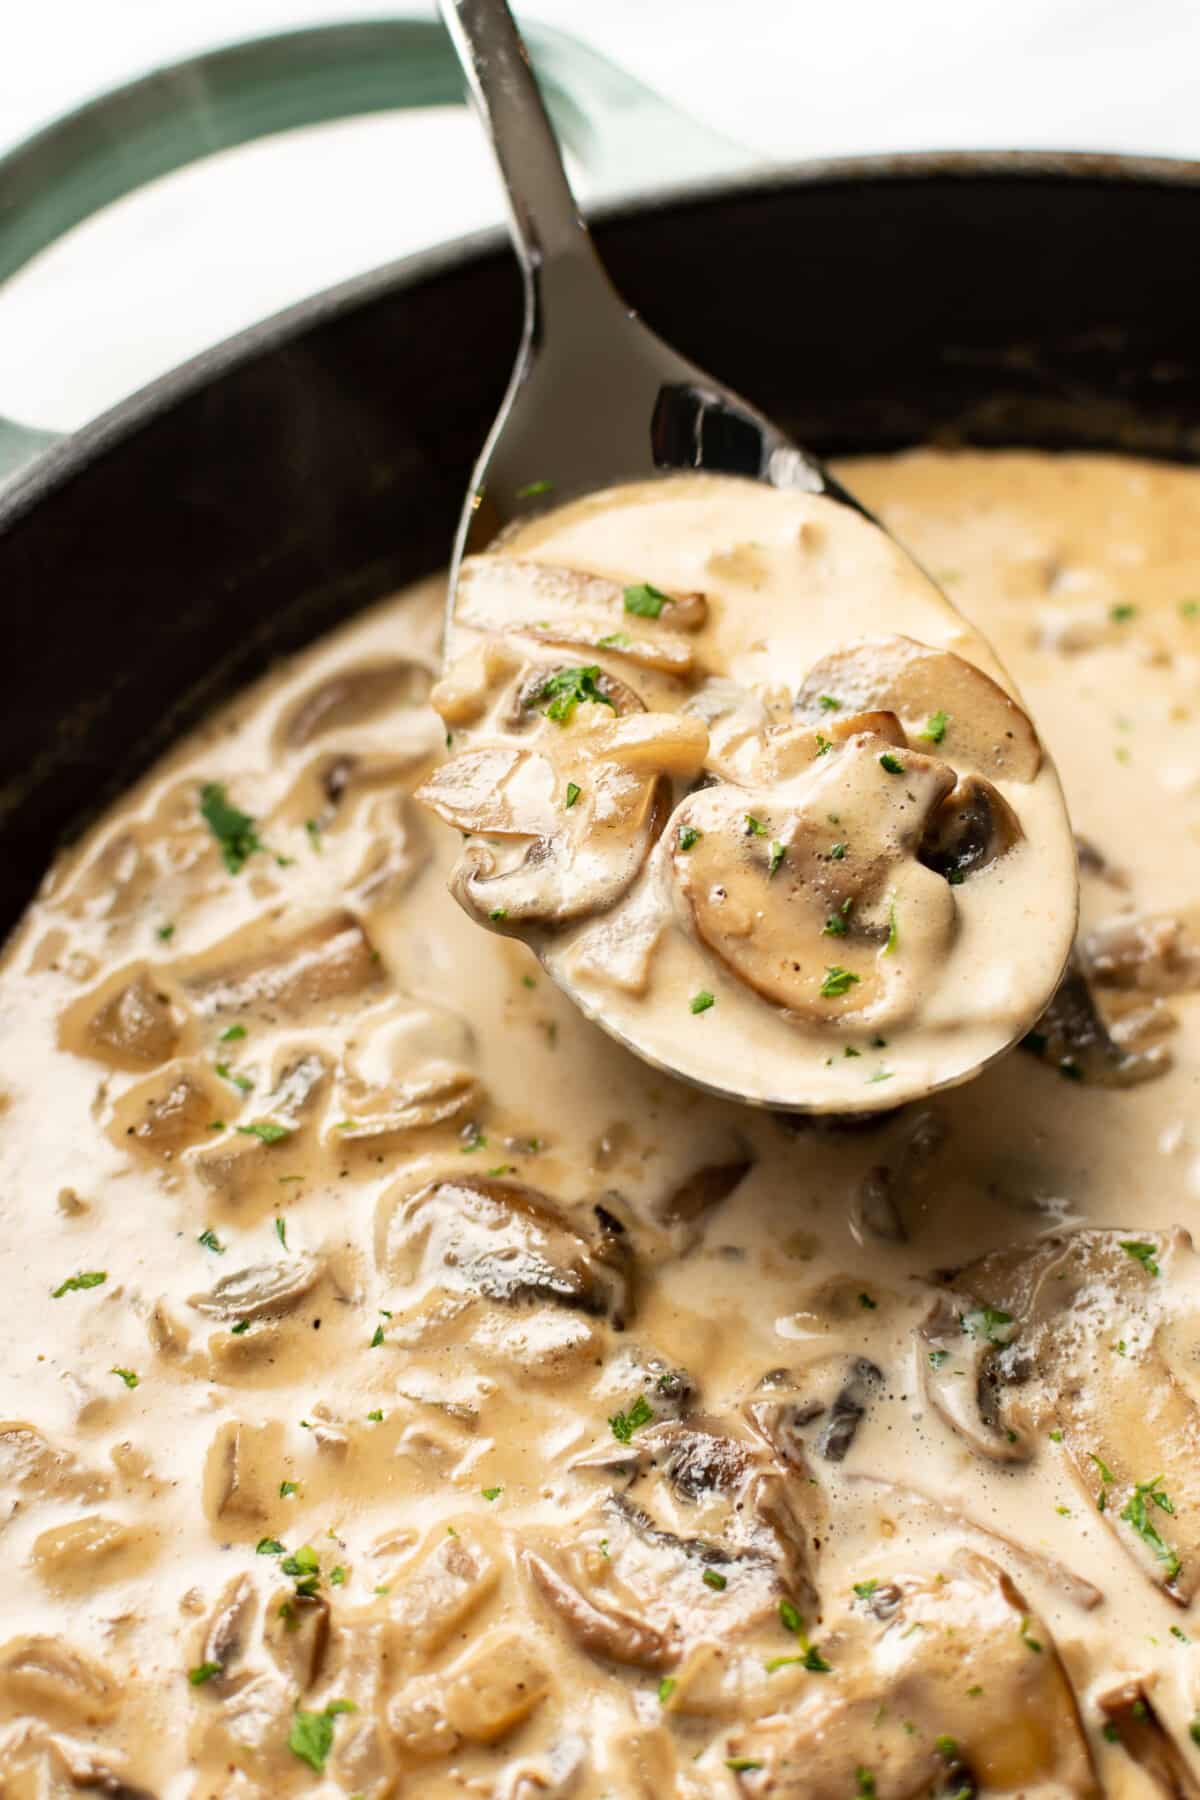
{"x":177,"y":267}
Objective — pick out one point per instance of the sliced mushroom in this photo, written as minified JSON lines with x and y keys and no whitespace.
{"x":898,"y":1708}
{"x":1072,"y":1037}
{"x":331,"y":961}
{"x":569,"y":819}
{"x":972,"y":828}
{"x":241,"y":1474}
{"x":1073,"y":1333}
{"x":804,"y":911}
{"x":448,"y":1587}
{"x":226,"y":1637}
{"x":939,"y":698}
{"x":351,"y":696}
{"x":82,"y":1551}
{"x":477,"y":1701}
{"x":168,"y":1113}
{"x":262,"y":1290}
{"x":555,"y":605}
{"x":135,"y":1027}
{"x":831,"y":1394}
{"x":1152,"y":953}
{"x":296,"y":1635}
{"x":507,"y":1242}
{"x":31,"y":1468}
{"x":1136,"y":1726}
{"x":48,"y":1676}
{"x":700,"y":1192}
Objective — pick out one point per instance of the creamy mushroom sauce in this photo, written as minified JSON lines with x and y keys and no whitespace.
{"x":406,"y":1391}
{"x":760,"y":799}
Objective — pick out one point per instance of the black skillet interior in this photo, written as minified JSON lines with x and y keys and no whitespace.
{"x":248,"y":502}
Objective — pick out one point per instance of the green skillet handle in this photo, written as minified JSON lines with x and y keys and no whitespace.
{"x":624,"y":134}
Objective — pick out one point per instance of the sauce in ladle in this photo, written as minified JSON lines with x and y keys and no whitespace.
{"x":759,"y":798}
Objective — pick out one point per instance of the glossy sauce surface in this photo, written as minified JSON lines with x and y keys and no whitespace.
{"x":471,"y":1410}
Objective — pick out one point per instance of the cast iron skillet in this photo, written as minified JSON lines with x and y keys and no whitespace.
{"x":241,"y":506}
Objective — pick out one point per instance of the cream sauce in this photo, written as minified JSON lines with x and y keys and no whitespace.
{"x":377,"y":1403}
{"x":780,"y":938}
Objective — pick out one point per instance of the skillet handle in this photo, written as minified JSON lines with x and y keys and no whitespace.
{"x":623,"y":133}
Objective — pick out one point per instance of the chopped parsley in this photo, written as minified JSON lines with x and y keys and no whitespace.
{"x":1194,"y":1731}
{"x":864,"y":1589}
{"x":281,"y":1232}
{"x":473,"y":1139}
{"x":127,"y":1376}
{"x":211,"y":1241}
{"x":991,"y":1323}
{"x":268,"y":1546}
{"x":891,"y":763}
{"x":938,"y":1358}
{"x":778,"y":852}
{"x":1056,"y":1436}
{"x":755,"y":827}
{"x":311,"y":1735}
{"x":497,"y":913}
{"x":790,"y":1619}
{"x":337,"y":1576}
{"x":376,"y":1415}
{"x":1189,"y":609}
{"x":1122,"y":613}
{"x":935,"y":728}
{"x":824,"y":745}
{"x":616,"y":640}
{"x":715,"y":1581}
{"x":829,"y":704}
{"x":666,"y":1688}
{"x":203,"y":1672}
{"x":242,"y":1326}
{"x":533,"y":488}
{"x":265,"y":1130}
{"x":165,"y":933}
{"x":740,"y":1764}
{"x":946,"y":1746}
{"x":689,"y":837}
{"x":836,"y":925}
{"x":288,"y":1488}
{"x":573,"y":792}
{"x":702,"y":1001}
{"x":815,"y":1663}
{"x":1143,"y":1253}
{"x":893,"y":936}
{"x":838,"y":981}
{"x":376,"y":1338}
{"x":1134,"y":1513}
{"x":866,"y":1302}
{"x":624,"y":1424}
{"x":567,"y":689}
{"x":837,"y":852}
{"x":1030,"y":1643}
{"x":491,"y":1493}
{"x":75,"y":1284}
{"x":864,"y":1784}
{"x":234,"y":830}
{"x":228,"y":1074}
{"x":232,"y":1033}
{"x":645,"y":601}
{"x":1181,"y":1635}
{"x":314,"y":833}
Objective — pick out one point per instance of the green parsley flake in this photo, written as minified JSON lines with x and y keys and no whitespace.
{"x":203,"y":1672}
{"x":376,"y":1415}
{"x":1194,"y":1731}
{"x":314,"y":833}
{"x":666,"y":1688}
{"x":75,"y":1284}
{"x":893,"y":936}
{"x":211,"y":1241}
{"x":990,"y":1323}
{"x":741,"y":1764}
{"x":281,"y":1232}
{"x":127,"y":1376}
{"x":231,"y":1075}
{"x":616,"y":640}
{"x":268,"y":1546}
{"x":689,"y":837}
{"x":838,"y":981}
{"x":568,"y":688}
{"x":573,"y":792}
{"x":497,"y":913}
{"x":891,"y":763}
{"x":242,"y":1326}
{"x":533,"y":488}
{"x":935,"y":728}
{"x":938,"y":1358}
{"x":311,"y":1734}
{"x":377,"y":1338}
{"x":1122,"y":613}
{"x":265,"y":1130}
{"x":702,"y":1001}
{"x":1030,"y":1643}
{"x":866,"y":1302}
{"x":829,"y":704}
{"x":837,"y":924}
{"x":645,"y":601}
{"x":754,"y":827}
{"x":837,"y":852}
{"x":491,"y":1493}
{"x":232,"y":1033}
{"x":165,"y":933}
{"x":1189,"y":609}
{"x":1143,"y":1253}
{"x":715,"y":1581}
{"x":624,"y":1424}
{"x":790,"y":1619}
{"x":233,"y":830}
{"x":1134,"y":1513}
{"x":288,"y":1488}
{"x":946,"y":1746}
{"x":864,"y":1784}
{"x":864,"y":1589}
{"x":337,"y":1576}
{"x":778,"y":852}
{"x":824,"y":745}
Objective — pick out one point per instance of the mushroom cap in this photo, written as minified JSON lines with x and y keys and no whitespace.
{"x":982,"y":727}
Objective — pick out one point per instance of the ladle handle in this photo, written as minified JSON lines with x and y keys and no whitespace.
{"x":545,"y":220}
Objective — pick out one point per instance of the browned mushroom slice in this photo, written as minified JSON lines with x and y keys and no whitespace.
{"x":507,"y":1242}
{"x":31,"y":1468}
{"x":564,"y":606}
{"x":241,"y":1474}
{"x":1073,"y":1333}
{"x":1152,"y":953}
{"x":48,"y":1676}
{"x":940,"y":699}
{"x":1073,"y":1038}
{"x":809,"y":913}
{"x":820,"y":1407}
{"x":330,"y":961}
{"x":263,"y":1290}
{"x":225,"y":1639}
{"x":351,"y":696}
{"x":168,"y":1113}
{"x":296,"y":1635}
{"x":630,"y":1592}
{"x":134,"y":1028}
{"x":897,"y":1714}
{"x":972,"y":828}
{"x":569,"y":820}
{"x":1135,"y":1725}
